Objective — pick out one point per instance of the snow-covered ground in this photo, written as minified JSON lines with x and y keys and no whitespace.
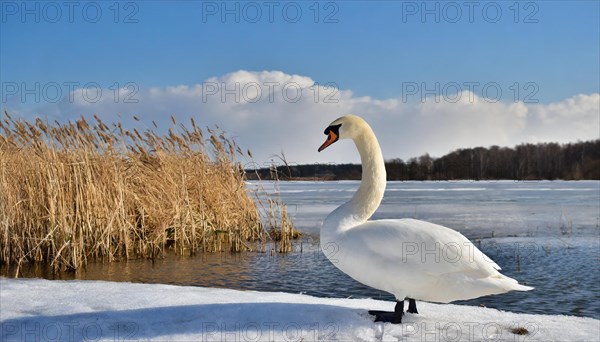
{"x":43,"y":310}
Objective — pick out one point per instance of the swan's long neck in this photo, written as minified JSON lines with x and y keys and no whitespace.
{"x":372,"y":186}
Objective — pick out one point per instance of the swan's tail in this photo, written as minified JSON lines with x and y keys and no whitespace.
{"x":461,"y":287}
{"x":510,"y":284}
{"x":519,"y":287}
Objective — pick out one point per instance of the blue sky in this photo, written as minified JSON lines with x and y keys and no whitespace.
{"x":371,"y":48}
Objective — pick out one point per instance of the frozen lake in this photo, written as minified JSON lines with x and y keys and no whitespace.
{"x":545,"y":234}
{"x":476,"y":209}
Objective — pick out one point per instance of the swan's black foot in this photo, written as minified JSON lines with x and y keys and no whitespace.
{"x":394,"y":317}
{"x":412,"y":306}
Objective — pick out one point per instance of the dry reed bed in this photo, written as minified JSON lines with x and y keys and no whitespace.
{"x":75,"y":192}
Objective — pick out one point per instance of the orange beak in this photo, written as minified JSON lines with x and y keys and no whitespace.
{"x":331,"y":138}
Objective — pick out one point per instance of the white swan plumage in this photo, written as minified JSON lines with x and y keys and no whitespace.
{"x":408,"y":258}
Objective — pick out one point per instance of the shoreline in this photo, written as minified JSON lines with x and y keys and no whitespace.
{"x":101,"y":310}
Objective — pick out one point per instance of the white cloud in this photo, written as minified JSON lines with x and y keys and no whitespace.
{"x":271,"y":111}
{"x":572,"y":119}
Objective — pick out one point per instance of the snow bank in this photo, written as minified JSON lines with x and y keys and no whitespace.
{"x":43,"y":310}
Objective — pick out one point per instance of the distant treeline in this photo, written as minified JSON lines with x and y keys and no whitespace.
{"x":573,"y":161}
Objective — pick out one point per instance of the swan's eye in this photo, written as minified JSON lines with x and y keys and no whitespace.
{"x":333,"y":128}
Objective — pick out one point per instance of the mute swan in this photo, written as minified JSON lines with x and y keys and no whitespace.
{"x":408,"y":258}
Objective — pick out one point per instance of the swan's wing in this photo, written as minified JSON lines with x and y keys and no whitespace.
{"x":421,"y":246}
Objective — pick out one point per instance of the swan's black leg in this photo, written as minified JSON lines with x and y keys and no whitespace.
{"x":412,"y":306}
{"x":394,"y":317}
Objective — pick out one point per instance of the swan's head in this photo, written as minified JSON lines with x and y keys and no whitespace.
{"x":346,"y":127}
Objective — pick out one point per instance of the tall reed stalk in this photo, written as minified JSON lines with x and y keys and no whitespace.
{"x":75,"y":192}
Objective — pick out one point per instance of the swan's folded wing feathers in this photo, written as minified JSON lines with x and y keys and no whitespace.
{"x":423,"y":246}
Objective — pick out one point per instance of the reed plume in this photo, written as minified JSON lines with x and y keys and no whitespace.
{"x":80,"y":191}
